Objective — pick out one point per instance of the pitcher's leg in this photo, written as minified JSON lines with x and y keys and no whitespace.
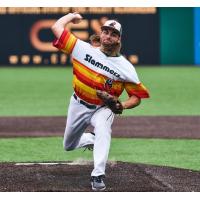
{"x":77,"y":121}
{"x":73,"y":135}
{"x":102,"y":121}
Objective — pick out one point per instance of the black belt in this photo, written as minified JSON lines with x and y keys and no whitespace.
{"x":84,"y":103}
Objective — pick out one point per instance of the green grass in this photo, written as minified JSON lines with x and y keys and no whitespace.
{"x":46,"y":91}
{"x":173,"y":90}
{"x":34,"y":91}
{"x":164,"y":152}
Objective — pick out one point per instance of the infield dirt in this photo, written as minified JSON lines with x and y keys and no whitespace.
{"x":128,"y":127}
{"x":76,"y":178}
{"x":120,"y":176}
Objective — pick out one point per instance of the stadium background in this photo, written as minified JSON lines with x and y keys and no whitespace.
{"x":163,"y":26}
{"x":35,"y":82}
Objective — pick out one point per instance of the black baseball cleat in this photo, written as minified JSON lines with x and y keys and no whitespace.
{"x":89,"y":147}
{"x":97,"y":183}
{"x":92,"y":133}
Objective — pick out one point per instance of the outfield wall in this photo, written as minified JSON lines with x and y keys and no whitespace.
{"x":151,"y":36}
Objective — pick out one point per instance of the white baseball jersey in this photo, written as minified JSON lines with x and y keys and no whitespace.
{"x":94,"y":70}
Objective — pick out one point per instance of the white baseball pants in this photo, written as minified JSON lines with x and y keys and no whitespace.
{"x":79,"y":117}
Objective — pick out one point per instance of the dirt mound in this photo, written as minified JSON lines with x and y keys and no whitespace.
{"x":75,"y":177}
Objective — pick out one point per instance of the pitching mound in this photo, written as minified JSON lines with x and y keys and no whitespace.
{"x":121,"y":176}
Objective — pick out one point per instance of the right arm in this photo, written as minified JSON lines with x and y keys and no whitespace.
{"x":60,"y":24}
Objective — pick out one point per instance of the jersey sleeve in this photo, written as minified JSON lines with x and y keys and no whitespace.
{"x":137,"y":89}
{"x":66,"y":42}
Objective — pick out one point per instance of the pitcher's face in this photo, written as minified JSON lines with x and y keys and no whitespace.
{"x":109,"y":37}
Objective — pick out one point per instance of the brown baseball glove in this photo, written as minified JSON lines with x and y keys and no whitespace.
{"x":110,"y":101}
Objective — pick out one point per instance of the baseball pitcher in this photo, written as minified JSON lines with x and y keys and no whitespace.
{"x":100,"y":74}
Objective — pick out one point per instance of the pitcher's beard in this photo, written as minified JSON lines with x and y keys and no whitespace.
{"x":110,"y":49}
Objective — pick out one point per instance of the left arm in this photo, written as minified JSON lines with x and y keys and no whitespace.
{"x":136,"y":92}
{"x":131,"y":102}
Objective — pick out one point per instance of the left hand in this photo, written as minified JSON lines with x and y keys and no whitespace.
{"x":110,"y":101}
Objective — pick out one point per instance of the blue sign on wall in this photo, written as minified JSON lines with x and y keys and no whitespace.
{"x":197,"y":35}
